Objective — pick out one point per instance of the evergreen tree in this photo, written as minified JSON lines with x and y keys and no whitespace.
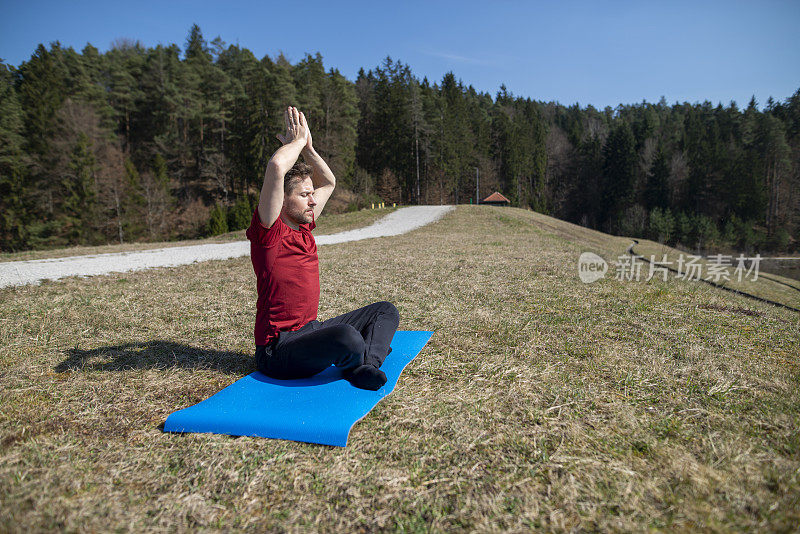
{"x":684,"y":228}
{"x":587,"y":190}
{"x":92,"y":84}
{"x":244,"y":124}
{"x":79,"y":205}
{"x":156,"y":117}
{"x":456,"y":139}
{"x":196,"y":46}
{"x":309,"y":80}
{"x":133,"y":204}
{"x":40,"y":90}
{"x":662,"y":225}
{"x":239,"y":215}
{"x":775,"y":167}
{"x":657,"y":188}
{"x":747,"y":197}
{"x":125,"y":64}
{"x":335,"y":131}
{"x":217,"y":222}
{"x":158,"y":198}
{"x":13,"y":209}
{"x":619,"y":168}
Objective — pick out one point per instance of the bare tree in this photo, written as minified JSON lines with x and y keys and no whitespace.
{"x":76,"y":118}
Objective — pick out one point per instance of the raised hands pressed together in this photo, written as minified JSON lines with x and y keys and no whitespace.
{"x":321,"y":181}
{"x":296,"y":128}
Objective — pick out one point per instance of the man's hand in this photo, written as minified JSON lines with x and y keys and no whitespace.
{"x":308,"y":146}
{"x":297,"y":131}
{"x":296,"y":128}
{"x":294,"y":142}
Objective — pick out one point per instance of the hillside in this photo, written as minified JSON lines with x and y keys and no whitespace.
{"x":540,"y":402}
{"x":779,"y":289}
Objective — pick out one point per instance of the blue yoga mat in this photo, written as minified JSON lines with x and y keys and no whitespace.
{"x":321,"y":409}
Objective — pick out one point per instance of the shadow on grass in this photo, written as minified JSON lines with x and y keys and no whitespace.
{"x":156,"y":354}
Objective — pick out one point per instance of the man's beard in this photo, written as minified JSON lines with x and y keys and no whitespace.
{"x":302,"y":216}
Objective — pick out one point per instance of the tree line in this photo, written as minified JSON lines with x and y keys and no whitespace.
{"x":162,"y":143}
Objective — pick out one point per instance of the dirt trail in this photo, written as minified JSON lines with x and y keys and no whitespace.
{"x":17,"y":273}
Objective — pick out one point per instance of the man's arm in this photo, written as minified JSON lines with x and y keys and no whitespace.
{"x":323,"y":178}
{"x":270,"y":201}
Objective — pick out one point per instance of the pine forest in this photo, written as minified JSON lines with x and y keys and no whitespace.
{"x":153,"y":144}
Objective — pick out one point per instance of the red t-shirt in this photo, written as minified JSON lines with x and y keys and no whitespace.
{"x":287,"y":277}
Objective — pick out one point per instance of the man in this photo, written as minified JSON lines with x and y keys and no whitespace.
{"x":290,"y":341}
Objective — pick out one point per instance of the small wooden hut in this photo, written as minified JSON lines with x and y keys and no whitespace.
{"x":496,"y":199}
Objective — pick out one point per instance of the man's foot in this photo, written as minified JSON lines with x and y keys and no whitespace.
{"x":366,"y":377}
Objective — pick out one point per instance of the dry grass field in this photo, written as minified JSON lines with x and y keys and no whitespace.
{"x":540,"y":402}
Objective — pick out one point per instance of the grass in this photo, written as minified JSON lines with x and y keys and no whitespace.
{"x":768,"y":286}
{"x":327,"y":224}
{"x":540,"y":402}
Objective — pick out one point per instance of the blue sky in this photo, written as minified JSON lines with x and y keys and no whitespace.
{"x":599,"y":53}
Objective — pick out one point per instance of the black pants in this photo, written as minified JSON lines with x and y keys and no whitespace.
{"x":347,"y":341}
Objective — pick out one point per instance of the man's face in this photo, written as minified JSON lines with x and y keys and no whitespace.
{"x":299,"y":204}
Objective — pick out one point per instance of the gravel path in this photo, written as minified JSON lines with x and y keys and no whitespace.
{"x":16,"y":273}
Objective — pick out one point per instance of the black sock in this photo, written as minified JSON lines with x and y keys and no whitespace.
{"x":366,"y":377}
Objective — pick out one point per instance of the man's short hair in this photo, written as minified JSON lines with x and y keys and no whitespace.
{"x":299,"y":172}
